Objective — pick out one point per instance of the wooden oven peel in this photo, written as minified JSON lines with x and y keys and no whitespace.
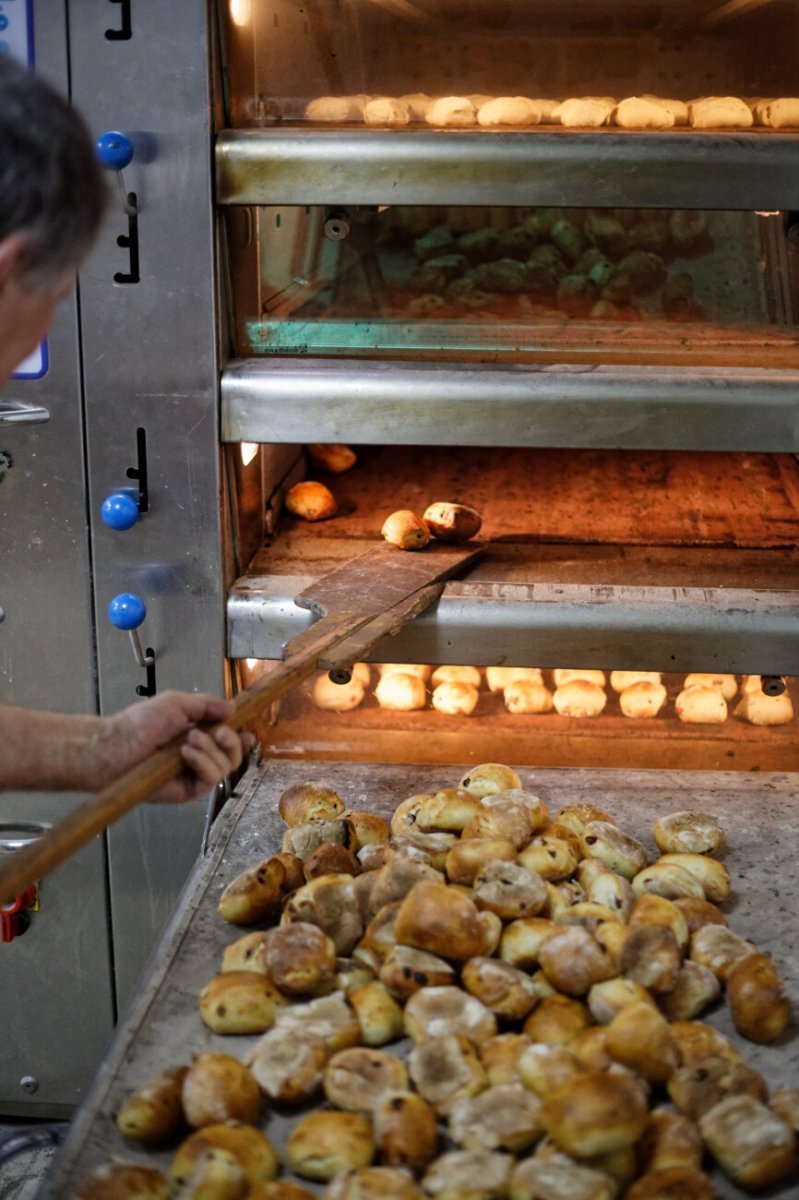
{"x":357,"y":605}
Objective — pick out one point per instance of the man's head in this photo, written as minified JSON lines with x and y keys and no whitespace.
{"x":52,"y":199}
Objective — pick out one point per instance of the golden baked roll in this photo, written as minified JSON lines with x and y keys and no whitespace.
{"x":444,"y":1068}
{"x":545,"y":1067}
{"x":527,"y":696}
{"x":710,"y":873}
{"x":419,"y":670}
{"x":669,"y":1140}
{"x":331,"y":902}
{"x":573,"y":960}
{"x":337,"y":697}
{"x":405,"y":970}
{"x":621,"y":680}
{"x":673,"y":1183}
{"x":550,"y":857}
{"x":395,"y":879}
{"x":300,"y":958}
{"x":325,"y":1144}
{"x":698,"y":1040}
{"x":406,"y":530}
{"x":579,"y":698}
{"x":557,"y":1019}
{"x":669,"y":880}
{"x":696,"y":988}
{"x":400,"y":692}
{"x":452,"y":111}
{"x":726,"y":684}
{"x":378,"y":1014}
{"x":130,"y":1181}
{"x":588,"y":112}
{"x":699,"y":705}
{"x":386,"y":110}
{"x":336,"y":458}
{"x":615,"y":849}
{"x":759,"y":709}
{"x":637,"y":112}
{"x":614,"y":892}
{"x":253,"y":894}
{"x":418,"y":103}
{"x":250,"y":1148}
{"x":504,"y":1117}
{"x":689,"y":832}
{"x":498,"y":678}
{"x":218,"y":1088}
{"x":510,"y":890}
{"x":288,"y":1070}
{"x":500,"y":1057}
{"x":697,"y":1087}
{"x":311,"y":501}
{"x":521,"y":941}
{"x":455,"y":699}
{"x":468,"y":1175}
{"x":502,"y":816}
{"x":564,"y":675}
{"x":595,"y":1113}
{"x":356,"y":1078}
{"x":720,"y":112}
{"x":373,"y":1183}
{"x":332,"y":1018}
{"x":467,"y":858}
{"x":782,"y":113}
{"x":437,"y":918}
{"x":433,"y":1011}
{"x":698,"y":912}
{"x":303,"y":802}
{"x":509,"y":110}
{"x":651,"y":957}
{"x":240,"y":1002}
{"x":330,"y":859}
{"x":642,"y":700}
{"x":452,"y":522}
{"x":717,"y":947}
{"x":405,"y":1130}
{"x":577,"y":816}
{"x":677,"y":108}
{"x":751,"y":1144}
{"x":447,"y":811}
{"x":639,"y":1038}
{"x":368,"y":829}
{"x":247,"y":953}
{"x":759,"y":1006}
{"x":609,"y":997}
{"x":559,"y":1177}
{"x":153,"y":1111}
{"x":510,"y":993}
{"x":302,"y":840}
{"x":488,"y":779}
{"x":456,"y":674}
{"x":334,"y":108}
{"x":588,"y":1047}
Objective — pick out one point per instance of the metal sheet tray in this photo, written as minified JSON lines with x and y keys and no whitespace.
{"x":162,"y":1027}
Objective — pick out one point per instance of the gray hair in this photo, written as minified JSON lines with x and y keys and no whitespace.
{"x":52,"y":189}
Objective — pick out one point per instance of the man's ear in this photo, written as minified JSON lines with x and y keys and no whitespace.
{"x":12,"y":257}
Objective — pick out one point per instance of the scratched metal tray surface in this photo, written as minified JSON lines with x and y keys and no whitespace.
{"x":759,"y":813}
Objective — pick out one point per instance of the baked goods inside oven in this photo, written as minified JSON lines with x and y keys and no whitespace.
{"x":700,"y":705}
{"x":400,"y":691}
{"x":384,"y":110}
{"x":579,"y":698}
{"x":720,"y":112}
{"x":457,"y":112}
{"x":509,"y":110}
{"x":587,"y":112}
{"x":456,"y":698}
{"x":639,"y":112}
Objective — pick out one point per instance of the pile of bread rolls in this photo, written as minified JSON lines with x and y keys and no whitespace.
{"x":704,"y":698}
{"x":577,"y":112}
{"x":548,"y":976}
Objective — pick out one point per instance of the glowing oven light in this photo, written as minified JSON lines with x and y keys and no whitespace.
{"x":252,"y":663}
{"x":768,"y":214}
{"x":240,"y":12}
{"x":248,"y":452}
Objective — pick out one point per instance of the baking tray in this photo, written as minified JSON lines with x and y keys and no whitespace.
{"x":163,"y":1027}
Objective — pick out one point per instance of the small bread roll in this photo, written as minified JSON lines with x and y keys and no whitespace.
{"x":760,"y":1009}
{"x":468,"y":858}
{"x":695,"y":990}
{"x":405,"y":1130}
{"x":288,"y":1070}
{"x":303,"y":840}
{"x":488,"y":779}
{"x":323,"y":1145}
{"x":639,"y":1037}
{"x":619,"y":680}
{"x":642,"y":700}
{"x":712,"y":874}
{"x":299,"y":958}
{"x":673,"y":1183}
{"x":504,"y":1117}
{"x":618,"y":851}
{"x":498,"y":678}
{"x":509,"y":889}
{"x":697,"y":1087}
{"x":720,"y":112}
{"x":752,"y":1145}
{"x":131,"y":1181}
{"x":218,"y":1088}
{"x":606,"y":999}
{"x":402,"y":693}
{"x":677,"y":108}
{"x":760,"y":709}
{"x":405,"y":970}
{"x":579,"y":698}
{"x":500,"y":1057}
{"x":558,"y":1177}
{"x":782,"y":113}
{"x":449,"y":810}
{"x":455,"y":699}
{"x":331,"y":456}
{"x":452,"y":111}
{"x":253,"y":894}
{"x":451,"y":522}
{"x":689,"y":832}
{"x":418,"y":670}
{"x":546,"y":1066}
{"x":331,"y":1018}
{"x":378,"y":1014}
{"x":510,"y":993}
{"x":699,"y":705}
{"x":501,"y":817}
{"x":333,"y":108}
{"x":595,"y":1113}
{"x":418,"y":103}
{"x":726,"y":684}
{"x":563,"y":675}
{"x":785,"y":1103}
{"x":509,"y":110}
{"x":153,"y":1112}
{"x":337,"y":697}
{"x":444,"y":1068}
{"x":437,"y":918}
{"x":240,"y":1002}
{"x":637,"y":112}
{"x":455,"y":674}
{"x":383,"y":110}
{"x":670,"y":1140}
{"x":469,"y":1175}
{"x":434,"y":1011}
{"x":355,"y":1079}
{"x":651,"y":957}
{"x":527,"y":696}
{"x":588,"y":112}
{"x":573,"y":960}
{"x":719,"y":949}
{"x":406,"y":530}
{"x":312,"y":501}
{"x":304,"y":802}
{"x":249,"y":1148}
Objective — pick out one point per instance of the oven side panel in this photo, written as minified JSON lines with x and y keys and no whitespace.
{"x":55,"y":979}
{"x":149,"y":352}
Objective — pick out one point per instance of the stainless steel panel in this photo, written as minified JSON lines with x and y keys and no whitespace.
{"x":150,"y":363}
{"x":605,"y":168}
{"x":316,"y":400}
{"x":55,"y":980}
{"x":163,"y":1027}
{"x":549,"y":625}
{"x":14,"y":412}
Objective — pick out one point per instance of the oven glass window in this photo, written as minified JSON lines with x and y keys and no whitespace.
{"x":516,"y":283}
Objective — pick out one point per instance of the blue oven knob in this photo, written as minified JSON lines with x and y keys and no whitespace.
{"x":127,"y":611}
{"x":120,"y":511}
{"x":114,"y":149}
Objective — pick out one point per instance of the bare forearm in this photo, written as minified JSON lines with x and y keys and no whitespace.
{"x":54,"y":751}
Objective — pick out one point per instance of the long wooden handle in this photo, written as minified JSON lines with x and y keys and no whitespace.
{"x":85,"y":822}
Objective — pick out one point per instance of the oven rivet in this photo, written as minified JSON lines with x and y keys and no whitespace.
{"x":29,"y":1084}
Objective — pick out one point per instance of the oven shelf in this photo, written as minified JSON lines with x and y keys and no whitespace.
{"x":579,"y":405}
{"x":603,"y":168}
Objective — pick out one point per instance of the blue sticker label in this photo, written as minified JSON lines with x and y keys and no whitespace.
{"x":35,"y":365}
{"x":16,"y":29}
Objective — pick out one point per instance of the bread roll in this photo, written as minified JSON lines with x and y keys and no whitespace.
{"x":488,"y":779}
{"x":619,"y":680}
{"x":760,"y":709}
{"x":444,"y":1068}
{"x":405,"y":1128}
{"x":456,"y":674}
{"x":248,"y":1147}
{"x":402,"y":693}
{"x":726,"y":684}
{"x":455,"y":699}
{"x":509,"y":110}
{"x":588,"y":112}
{"x":418,"y":670}
{"x":333,"y":108}
{"x":500,"y":1057}
{"x":451,"y":522}
{"x":300,"y":958}
{"x":337,"y":697}
{"x":677,"y":108}
{"x":510,"y":993}
{"x":418,"y":103}
{"x":434,"y":1011}
{"x":752,"y":1145}
{"x":618,"y":851}
{"x":699,"y":705}
{"x":125,"y":1181}
{"x":595,"y":1113}
{"x":240,"y":1002}
{"x":331,"y":1018}
{"x":760,"y":1009}
{"x":579,"y":698}
{"x":384,"y":110}
{"x":642,"y":700}
{"x":689,"y":832}
{"x":452,"y":111}
{"x":498,"y":678}
{"x":310,"y":500}
{"x":558,"y":1177}
{"x":468,"y":1175}
{"x":217,"y":1088}
{"x":637,"y":112}
{"x":504,"y":1117}
{"x":782,"y":113}
{"x":288,"y":1070}
{"x":527,"y":696}
{"x":378,"y":1014}
{"x":573,"y":960}
{"x":563,"y":675}
{"x":323,"y":1145}
{"x":355,"y":1079}
{"x":153,"y":1112}
{"x":304,"y":802}
{"x":720,"y":112}
{"x":406,"y":530}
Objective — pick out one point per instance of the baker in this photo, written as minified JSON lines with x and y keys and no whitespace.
{"x":52,"y":201}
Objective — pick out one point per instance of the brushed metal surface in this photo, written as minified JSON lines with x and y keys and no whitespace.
{"x":610,"y":168}
{"x":347,"y":400}
{"x":55,"y":980}
{"x":163,"y":1025}
{"x":149,"y":353}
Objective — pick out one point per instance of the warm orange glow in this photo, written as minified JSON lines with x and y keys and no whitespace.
{"x":248,"y":452}
{"x":240,"y":12}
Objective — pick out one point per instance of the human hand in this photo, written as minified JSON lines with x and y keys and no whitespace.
{"x":145,"y":727}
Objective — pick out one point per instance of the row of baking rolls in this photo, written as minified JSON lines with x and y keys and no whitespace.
{"x":704,"y":699}
{"x":579,"y":112}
